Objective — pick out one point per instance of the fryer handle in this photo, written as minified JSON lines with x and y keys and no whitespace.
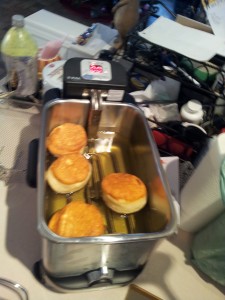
{"x":32,"y":163}
{"x":52,"y":94}
{"x":94,"y":113}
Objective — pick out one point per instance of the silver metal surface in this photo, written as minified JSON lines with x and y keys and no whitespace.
{"x":124,"y":144}
{"x":95,"y":113}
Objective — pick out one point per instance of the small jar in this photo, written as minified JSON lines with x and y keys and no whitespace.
{"x":192,"y":112}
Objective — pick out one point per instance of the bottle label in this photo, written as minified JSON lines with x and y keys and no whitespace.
{"x":21,"y":74}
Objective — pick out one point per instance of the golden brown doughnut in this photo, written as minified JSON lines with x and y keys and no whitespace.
{"x":123,"y":192}
{"x":77,"y":219}
{"x":66,"y":138}
{"x":69,"y":173}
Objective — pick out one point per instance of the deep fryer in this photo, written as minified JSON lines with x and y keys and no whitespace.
{"x":119,"y":140}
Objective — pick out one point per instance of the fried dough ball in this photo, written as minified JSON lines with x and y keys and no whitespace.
{"x":69,"y":173}
{"x":77,"y":219}
{"x":66,"y":138}
{"x":123,"y":192}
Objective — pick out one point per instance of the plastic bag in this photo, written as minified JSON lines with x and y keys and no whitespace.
{"x":208,"y":249}
{"x":158,"y":90}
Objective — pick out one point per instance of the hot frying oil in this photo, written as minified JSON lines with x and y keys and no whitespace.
{"x":105,"y":160}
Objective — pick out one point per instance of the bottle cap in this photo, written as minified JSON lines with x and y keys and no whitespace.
{"x":192,"y":112}
{"x":194,"y":106}
{"x":18,"y":21}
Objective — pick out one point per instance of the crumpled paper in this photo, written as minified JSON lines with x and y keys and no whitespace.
{"x":158,"y":90}
{"x":164,"y":92}
{"x":161,"y":113}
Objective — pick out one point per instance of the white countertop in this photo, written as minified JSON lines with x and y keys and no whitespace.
{"x":167,"y":274}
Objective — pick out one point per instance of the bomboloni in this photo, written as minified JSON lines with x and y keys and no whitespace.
{"x":124,"y":193}
{"x":77,"y":219}
{"x":69,"y":173}
{"x":66,"y":138}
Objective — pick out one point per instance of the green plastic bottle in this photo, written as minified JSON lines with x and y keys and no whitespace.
{"x":19,"y":53}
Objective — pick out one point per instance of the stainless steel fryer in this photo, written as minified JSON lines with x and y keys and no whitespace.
{"x":123,"y":144}
{"x":119,"y":140}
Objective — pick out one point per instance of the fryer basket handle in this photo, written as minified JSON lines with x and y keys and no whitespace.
{"x":32,"y":163}
{"x":52,"y":94}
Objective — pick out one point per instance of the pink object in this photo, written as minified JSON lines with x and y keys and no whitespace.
{"x":51,"y":49}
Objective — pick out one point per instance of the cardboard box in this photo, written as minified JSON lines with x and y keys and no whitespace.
{"x":193,"y":24}
{"x":45,"y":26}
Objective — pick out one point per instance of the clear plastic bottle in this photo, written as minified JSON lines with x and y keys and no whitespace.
{"x":19,"y":53}
{"x":192,"y":112}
